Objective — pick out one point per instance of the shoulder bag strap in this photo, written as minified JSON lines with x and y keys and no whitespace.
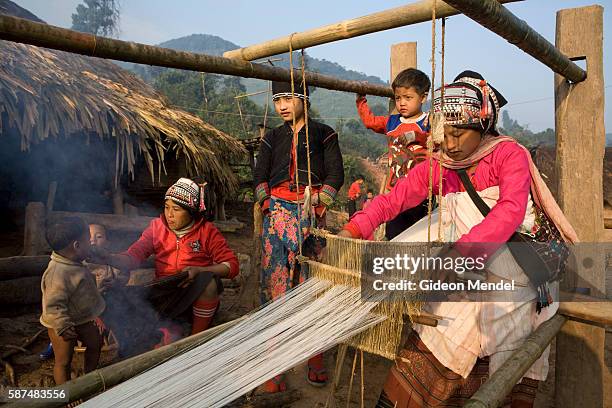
{"x":469,"y":187}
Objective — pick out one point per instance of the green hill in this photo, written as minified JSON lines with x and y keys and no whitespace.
{"x":329,"y":104}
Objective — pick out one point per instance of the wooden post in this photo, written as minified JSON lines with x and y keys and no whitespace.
{"x":220,"y":209}
{"x":34,"y":242}
{"x":118,"y":200}
{"x":582,"y":379}
{"x":403,"y":56}
{"x":51,"y":195}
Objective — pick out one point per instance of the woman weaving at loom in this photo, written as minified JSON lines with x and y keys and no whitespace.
{"x":185,"y":246}
{"x":445,"y":365}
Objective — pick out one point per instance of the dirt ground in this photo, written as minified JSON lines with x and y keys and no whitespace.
{"x":17,"y":326}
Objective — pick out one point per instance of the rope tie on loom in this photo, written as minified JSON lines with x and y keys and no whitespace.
{"x":295,"y":145}
{"x":430,"y":138}
{"x":296,"y":140}
{"x":93,"y":51}
{"x":311,"y":208}
{"x":430,"y":127}
{"x":102,"y":379}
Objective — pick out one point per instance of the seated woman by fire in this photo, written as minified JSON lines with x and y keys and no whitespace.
{"x":191,"y":257}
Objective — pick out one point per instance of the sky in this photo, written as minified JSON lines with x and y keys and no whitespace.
{"x":525,"y":82}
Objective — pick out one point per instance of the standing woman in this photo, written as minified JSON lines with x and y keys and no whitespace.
{"x":289,"y":160}
{"x":183,"y":241}
{"x":445,"y":365}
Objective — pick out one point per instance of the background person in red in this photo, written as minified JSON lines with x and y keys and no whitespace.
{"x":353,"y":195}
{"x":183,"y":241}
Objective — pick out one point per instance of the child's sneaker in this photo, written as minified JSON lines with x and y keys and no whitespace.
{"x":47,"y":353}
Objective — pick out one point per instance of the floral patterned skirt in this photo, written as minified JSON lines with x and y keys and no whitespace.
{"x":282,"y":235}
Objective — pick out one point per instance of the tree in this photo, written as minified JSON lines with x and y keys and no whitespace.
{"x":212,"y":97}
{"x":98,"y":17}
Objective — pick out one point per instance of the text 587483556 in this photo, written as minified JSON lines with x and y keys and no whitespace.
{"x":34,"y":394}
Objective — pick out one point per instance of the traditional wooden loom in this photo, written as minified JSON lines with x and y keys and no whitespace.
{"x":579,"y":36}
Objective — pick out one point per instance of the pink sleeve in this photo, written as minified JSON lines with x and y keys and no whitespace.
{"x":140,"y":250}
{"x":407,"y":193}
{"x":509,"y":212}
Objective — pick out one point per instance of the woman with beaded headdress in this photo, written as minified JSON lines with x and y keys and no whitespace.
{"x":445,"y":365}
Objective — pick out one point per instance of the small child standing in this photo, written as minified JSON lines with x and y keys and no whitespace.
{"x":406,"y":133}
{"x":105,"y":275}
{"x":70,"y":299}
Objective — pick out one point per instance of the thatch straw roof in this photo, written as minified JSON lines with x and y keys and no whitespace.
{"x":47,"y":94}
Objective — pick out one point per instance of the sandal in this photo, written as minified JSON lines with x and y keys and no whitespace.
{"x":275,"y":384}
{"x":317,"y":374}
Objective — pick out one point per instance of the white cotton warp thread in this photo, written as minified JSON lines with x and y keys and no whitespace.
{"x":309,"y":319}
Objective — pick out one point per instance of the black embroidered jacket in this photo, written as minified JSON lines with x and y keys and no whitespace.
{"x":273,"y":161}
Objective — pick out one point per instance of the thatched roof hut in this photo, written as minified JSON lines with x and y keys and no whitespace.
{"x":49,"y":96}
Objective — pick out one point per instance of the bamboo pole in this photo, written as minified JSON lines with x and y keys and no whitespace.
{"x":492,"y":393}
{"x":250,"y":94}
{"x":44,"y":35}
{"x":497,"y":18}
{"x":104,"y":378}
{"x":384,"y":20}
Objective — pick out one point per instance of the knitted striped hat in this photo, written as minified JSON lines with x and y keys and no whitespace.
{"x":283,"y":89}
{"x":187,"y":193}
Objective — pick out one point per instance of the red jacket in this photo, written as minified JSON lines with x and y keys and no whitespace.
{"x":202,"y":246}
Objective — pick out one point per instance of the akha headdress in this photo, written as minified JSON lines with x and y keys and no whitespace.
{"x":187,"y":193}
{"x":469,"y":100}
